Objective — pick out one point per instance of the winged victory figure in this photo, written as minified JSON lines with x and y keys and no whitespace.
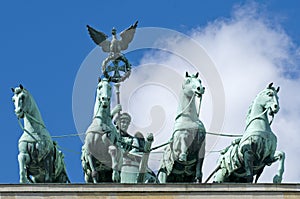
{"x":115,"y":46}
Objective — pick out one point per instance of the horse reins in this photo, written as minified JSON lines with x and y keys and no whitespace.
{"x":34,"y":119}
{"x":25,"y":130}
{"x":185,"y":107}
{"x":259,"y":117}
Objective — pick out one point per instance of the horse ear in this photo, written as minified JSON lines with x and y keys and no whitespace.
{"x":270,"y":85}
{"x":187,"y":74}
{"x":99,"y":79}
{"x":197,"y":74}
{"x":21,"y":86}
{"x":278,"y":88}
{"x":13,"y":90}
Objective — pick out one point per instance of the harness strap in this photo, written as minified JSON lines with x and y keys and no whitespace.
{"x":185,"y":107}
{"x":100,"y":133}
{"x":34,"y":119}
{"x":68,"y":135}
{"x":30,"y":134}
{"x":257,"y":117}
{"x":224,"y":135}
{"x":162,"y":145}
{"x":271,"y":119}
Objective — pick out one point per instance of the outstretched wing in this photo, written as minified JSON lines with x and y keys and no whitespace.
{"x":127,"y":36}
{"x":99,"y":38}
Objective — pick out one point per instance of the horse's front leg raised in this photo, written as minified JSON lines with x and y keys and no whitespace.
{"x":279,"y":155}
{"x":23,"y":159}
{"x":113,"y":151}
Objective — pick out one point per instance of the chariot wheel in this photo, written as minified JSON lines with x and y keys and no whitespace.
{"x":117,"y":70}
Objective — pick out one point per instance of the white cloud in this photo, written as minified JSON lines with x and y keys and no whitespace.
{"x":250,"y":51}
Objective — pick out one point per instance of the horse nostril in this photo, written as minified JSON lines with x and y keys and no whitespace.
{"x":275,"y":106}
{"x":103,"y":98}
{"x":198,"y":88}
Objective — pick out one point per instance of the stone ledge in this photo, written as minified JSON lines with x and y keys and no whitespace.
{"x":131,"y":191}
{"x":18,"y":188}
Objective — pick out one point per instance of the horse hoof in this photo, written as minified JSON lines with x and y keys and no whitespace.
{"x":197,"y":180}
{"x":182,"y":157}
{"x":24,"y":181}
{"x":116,"y":176}
{"x":277,"y":179}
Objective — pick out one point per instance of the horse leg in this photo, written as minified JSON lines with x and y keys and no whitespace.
{"x":248,"y":161}
{"x":113,"y":152}
{"x":24,"y":160}
{"x":279,"y":155}
{"x":182,"y":145}
{"x":199,"y":165}
{"x":87,"y":178}
{"x":198,"y":178}
{"x":91,"y":163}
{"x":49,"y":167}
{"x":86,"y":169}
{"x":220,"y":175}
{"x":84,"y":164}
{"x":162,"y":176}
{"x":59,"y":167}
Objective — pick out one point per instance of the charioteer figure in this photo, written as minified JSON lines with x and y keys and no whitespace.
{"x":133,"y":147}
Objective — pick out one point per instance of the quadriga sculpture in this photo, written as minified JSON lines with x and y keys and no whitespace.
{"x":101,"y":155}
{"x":248,"y":156}
{"x":39,"y":159}
{"x":183,"y":157}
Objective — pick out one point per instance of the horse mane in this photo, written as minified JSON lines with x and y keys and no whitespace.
{"x":34,"y":104}
{"x":30,"y":96}
{"x":249,"y":112}
{"x":251,"y":105}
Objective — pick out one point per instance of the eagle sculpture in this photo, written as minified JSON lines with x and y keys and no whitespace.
{"x":115,"y":46}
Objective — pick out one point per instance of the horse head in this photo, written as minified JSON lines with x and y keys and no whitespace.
{"x":268,"y":99}
{"x":20,"y":100}
{"x":104,"y":93}
{"x":192,"y":85}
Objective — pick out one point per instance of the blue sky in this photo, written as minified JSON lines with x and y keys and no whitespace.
{"x":43,"y":45}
